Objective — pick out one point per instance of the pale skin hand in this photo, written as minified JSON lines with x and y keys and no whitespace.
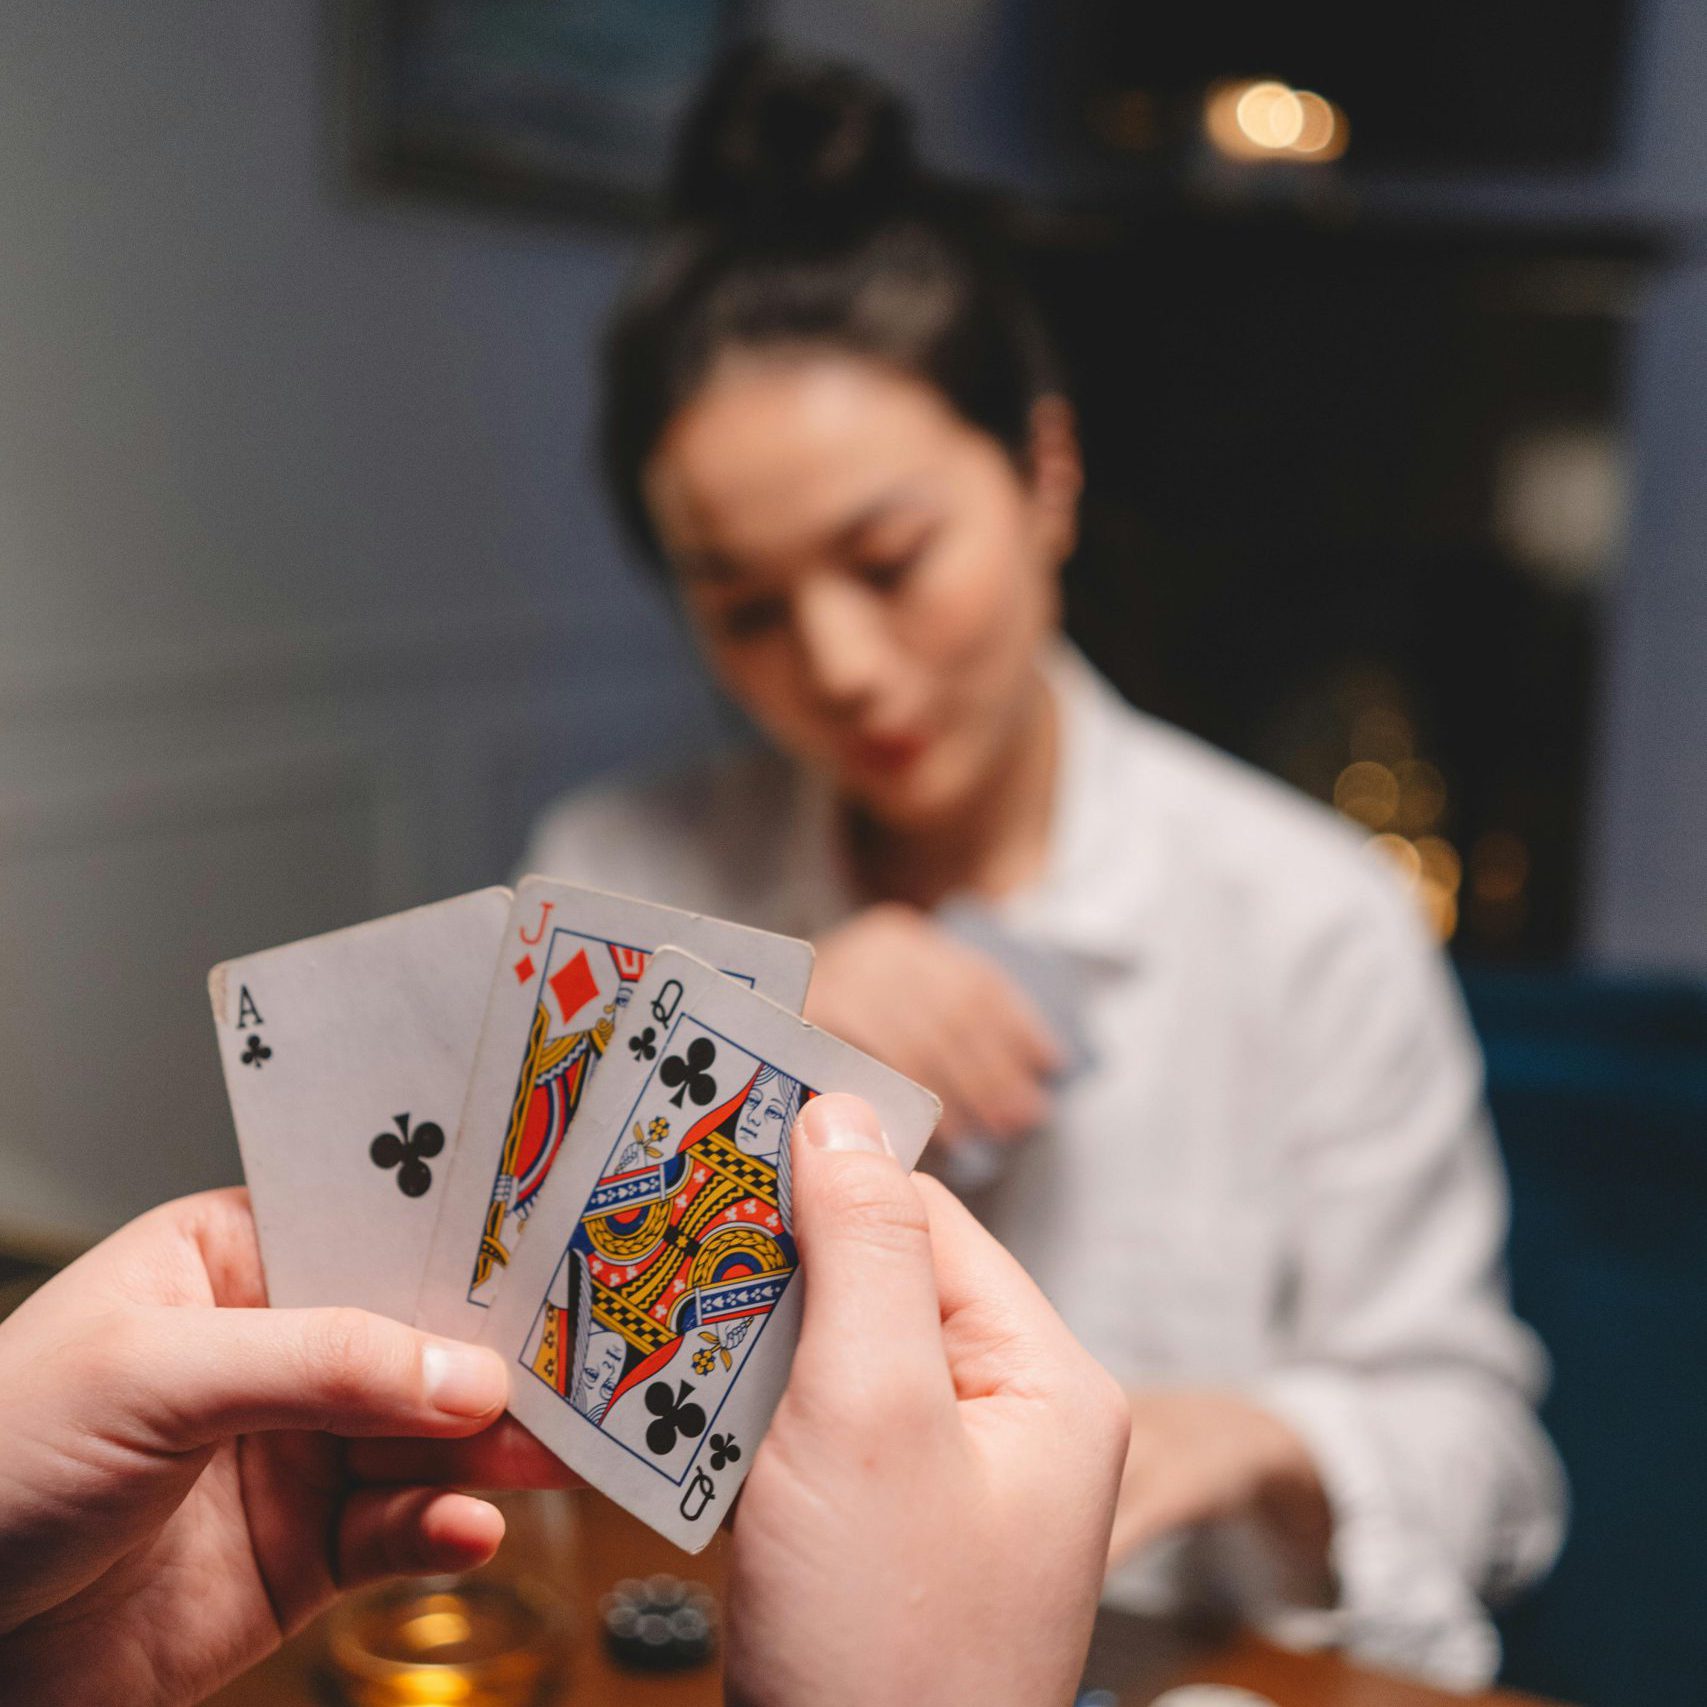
{"x":895,"y":984}
{"x":928,"y":1516}
{"x":1197,"y":1455}
{"x":945,"y":1459}
{"x":173,"y":1497}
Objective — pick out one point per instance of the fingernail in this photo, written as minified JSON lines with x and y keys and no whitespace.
{"x":837,"y":1121}
{"x":462,"y":1380}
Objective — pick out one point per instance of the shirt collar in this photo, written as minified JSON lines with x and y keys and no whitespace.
{"x":1101,"y":872}
{"x":1101,"y":875}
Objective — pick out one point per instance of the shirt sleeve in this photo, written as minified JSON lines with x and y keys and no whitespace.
{"x":620,"y":838}
{"x":1408,"y":1377}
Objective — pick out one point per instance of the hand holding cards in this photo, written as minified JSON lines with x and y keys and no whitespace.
{"x":649,"y":1326}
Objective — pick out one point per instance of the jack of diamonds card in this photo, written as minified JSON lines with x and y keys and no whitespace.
{"x":569,"y":966}
{"x":654,"y":1321}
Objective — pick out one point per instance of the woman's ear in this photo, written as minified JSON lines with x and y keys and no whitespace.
{"x":1057,"y":474}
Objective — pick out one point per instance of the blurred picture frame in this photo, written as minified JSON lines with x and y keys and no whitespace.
{"x":563,"y":106}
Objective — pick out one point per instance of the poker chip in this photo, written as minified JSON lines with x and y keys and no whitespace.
{"x":1210,"y":1695}
{"x":661,"y":1624}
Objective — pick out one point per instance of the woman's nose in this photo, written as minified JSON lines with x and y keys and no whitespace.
{"x":839,"y":630}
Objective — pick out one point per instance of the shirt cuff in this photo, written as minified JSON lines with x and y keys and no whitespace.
{"x":1401,"y":1603}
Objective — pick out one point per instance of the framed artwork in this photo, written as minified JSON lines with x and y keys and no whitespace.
{"x":565,"y":104}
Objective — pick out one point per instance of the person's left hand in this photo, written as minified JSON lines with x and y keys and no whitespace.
{"x":173,"y":1496}
{"x":1197,"y":1454}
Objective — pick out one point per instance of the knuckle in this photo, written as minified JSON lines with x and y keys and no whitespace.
{"x":1106,"y":1411}
{"x":890,"y":919}
{"x":103,"y":1346}
{"x":876,"y":1206}
{"x":346,"y":1350}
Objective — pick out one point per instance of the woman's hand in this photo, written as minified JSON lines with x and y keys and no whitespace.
{"x":173,"y":1496}
{"x":1197,"y":1455}
{"x":895,"y":984}
{"x":928,"y":1517}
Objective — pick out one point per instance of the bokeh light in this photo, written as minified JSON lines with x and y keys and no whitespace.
{"x":1261,"y":118}
{"x":1499,"y":867}
{"x":1367,"y":793}
{"x":1440,"y":863}
{"x":1382,"y":733}
{"x":1422,"y":796}
{"x":1403,"y":854}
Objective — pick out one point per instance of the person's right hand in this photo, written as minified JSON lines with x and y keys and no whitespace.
{"x":928,"y":1517}
{"x":892,"y":982}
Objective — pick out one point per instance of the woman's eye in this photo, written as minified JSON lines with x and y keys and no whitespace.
{"x":886,"y":575}
{"x":751,"y":617}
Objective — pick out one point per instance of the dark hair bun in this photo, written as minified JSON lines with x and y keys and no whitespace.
{"x":787,"y":151}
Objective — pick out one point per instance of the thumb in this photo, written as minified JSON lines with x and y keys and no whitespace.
{"x":865,"y":1251}
{"x":190,"y":1377}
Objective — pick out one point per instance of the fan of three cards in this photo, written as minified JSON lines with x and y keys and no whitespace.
{"x":556,"y":1122}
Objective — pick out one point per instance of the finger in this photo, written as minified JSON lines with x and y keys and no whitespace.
{"x":972,"y":1078}
{"x":189,"y":1377}
{"x":1001,"y":1334}
{"x":961,"y":1071}
{"x":1024,"y":1027}
{"x":866,"y":1258}
{"x":401,"y":1532}
{"x":1009,"y":1011}
{"x":998,"y":1046}
{"x":1013,"y":1024}
{"x":1008,"y":1096}
{"x":505,"y":1455}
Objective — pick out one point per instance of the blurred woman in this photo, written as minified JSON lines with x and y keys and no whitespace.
{"x":1246,"y":1154}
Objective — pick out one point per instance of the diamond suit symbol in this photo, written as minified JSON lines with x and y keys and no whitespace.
{"x":574,"y":985}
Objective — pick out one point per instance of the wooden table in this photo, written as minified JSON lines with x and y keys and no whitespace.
{"x":1131,"y":1656}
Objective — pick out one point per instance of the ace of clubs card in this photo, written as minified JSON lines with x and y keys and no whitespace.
{"x":650,"y":1317}
{"x":346,"y":1060}
{"x":570,"y":961}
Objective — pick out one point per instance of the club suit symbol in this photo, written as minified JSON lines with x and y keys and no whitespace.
{"x":645,"y":1044}
{"x":408,"y":1152}
{"x":255,"y":1053}
{"x":723,"y":1450}
{"x":675,"y":1413}
{"x":689,"y":1073}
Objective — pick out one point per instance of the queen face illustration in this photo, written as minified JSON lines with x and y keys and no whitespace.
{"x":768,"y":1114}
{"x":601,"y":1369}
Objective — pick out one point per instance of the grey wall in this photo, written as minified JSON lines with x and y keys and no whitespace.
{"x":306,"y":598}
{"x":1648,"y":899}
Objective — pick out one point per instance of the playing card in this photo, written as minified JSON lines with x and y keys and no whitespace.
{"x":1055,"y":981}
{"x":570,"y":960}
{"x":650,"y":1316}
{"x":346,"y":1059}
{"x":1053,"y":978}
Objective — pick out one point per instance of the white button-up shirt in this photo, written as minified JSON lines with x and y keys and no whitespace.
{"x":1277,"y":1173}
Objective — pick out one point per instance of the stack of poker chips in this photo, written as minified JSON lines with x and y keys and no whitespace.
{"x":661,"y":1624}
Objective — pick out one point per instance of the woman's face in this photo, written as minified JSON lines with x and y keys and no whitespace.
{"x":601,"y":1371}
{"x":760,"y":1130}
{"x":869,"y":575}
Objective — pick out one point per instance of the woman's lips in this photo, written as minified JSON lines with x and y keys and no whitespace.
{"x":887,"y":753}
